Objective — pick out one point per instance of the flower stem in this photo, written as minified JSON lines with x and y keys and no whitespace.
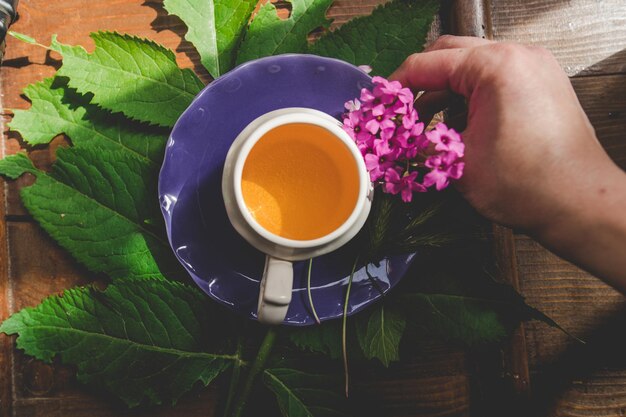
{"x":257,"y":366}
{"x":234,"y":378}
{"x":344,"y":326}
{"x":308,"y":290}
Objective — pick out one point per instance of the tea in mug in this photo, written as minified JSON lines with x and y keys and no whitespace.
{"x":300,"y":181}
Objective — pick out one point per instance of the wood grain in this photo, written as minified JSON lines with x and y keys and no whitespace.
{"x":434,"y":379}
{"x":588,"y":37}
{"x":568,"y":377}
{"x":198,"y":404}
{"x":604,"y":101}
{"x":6,"y":300}
{"x":471,"y":18}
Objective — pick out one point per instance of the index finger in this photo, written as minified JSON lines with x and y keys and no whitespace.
{"x":451,"y":42}
{"x":436,"y":70}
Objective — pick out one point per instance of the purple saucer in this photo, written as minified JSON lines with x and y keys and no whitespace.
{"x":225,"y":266}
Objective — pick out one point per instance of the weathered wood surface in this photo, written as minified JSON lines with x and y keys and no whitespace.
{"x":587,"y":36}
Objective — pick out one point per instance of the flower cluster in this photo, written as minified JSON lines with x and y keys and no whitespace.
{"x":398,"y":153}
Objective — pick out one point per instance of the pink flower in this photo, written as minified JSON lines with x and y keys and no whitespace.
{"x":381,"y":122}
{"x":446,"y":139}
{"x":391,"y":138}
{"x":366,"y":146}
{"x":353,"y":105}
{"x":385,"y":93}
{"x":405,"y":184}
{"x":444,"y":166}
{"x":412,"y":141}
{"x":381,"y":159}
{"x":389,"y":91}
{"x":390,"y":148}
{"x":377,"y":165}
{"x":354,"y":124}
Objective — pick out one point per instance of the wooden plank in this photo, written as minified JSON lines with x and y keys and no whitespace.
{"x":604,"y":101}
{"x":569,"y":378}
{"x":343,"y":10}
{"x":514,"y":353}
{"x":471,"y":18}
{"x":572,"y":297}
{"x":602,"y":395}
{"x":586,"y":36}
{"x":198,"y":404}
{"x":434,"y":379}
{"x":6,"y":297}
{"x":39,"y":267}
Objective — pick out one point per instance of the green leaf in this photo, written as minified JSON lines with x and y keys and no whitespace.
{"x":55,"y":111}
{"x":144,"y":341}
{"x":99,"y":205}
{"x":324,"y":338}
{"x":15,"y":166}
{"x":134,"y":76}
{"x":270,"y":35}
{"x":305,"y":395}
{"x":379,"y":333}
{"x":459,"y":318}
{"x":383,"y":39}
{"x":215,"y":27}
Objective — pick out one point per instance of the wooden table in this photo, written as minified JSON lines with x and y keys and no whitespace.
{"x":541,"y":373}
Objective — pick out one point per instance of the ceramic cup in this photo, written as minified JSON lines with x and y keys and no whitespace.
{"x":277,"y":281}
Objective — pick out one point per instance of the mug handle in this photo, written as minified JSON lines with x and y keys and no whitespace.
{"x":275,"y":291}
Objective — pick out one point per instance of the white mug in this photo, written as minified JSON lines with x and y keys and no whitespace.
{"x":277,"y":281}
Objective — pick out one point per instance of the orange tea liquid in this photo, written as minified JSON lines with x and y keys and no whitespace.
{"x":300,"y":181}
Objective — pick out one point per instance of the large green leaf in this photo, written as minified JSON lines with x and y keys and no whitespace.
{"x":379,"y":333}
{"x":270,"y":35}
{"x":324,"y":338}
{"x":134,"y":76}
{"x":306,"y":395}
{"x":144,"y":341}
{"x":459,"y":318}
{"x":100,"y":205}
{"x":383,"y":39}
{"x":215,"y":27}
{"x":57,"y":110}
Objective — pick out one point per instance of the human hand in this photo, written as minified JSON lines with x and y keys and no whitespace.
{"x":532,"y":158}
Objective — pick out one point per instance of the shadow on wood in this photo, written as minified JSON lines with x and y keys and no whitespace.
{"x":165,"y":21}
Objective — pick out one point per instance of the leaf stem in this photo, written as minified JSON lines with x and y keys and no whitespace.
{"x":234,"y":378}
{"x":308,"y":290}
{"x":257,"y":366}
{"x":344,"y":326}
{"x":26,"y":39}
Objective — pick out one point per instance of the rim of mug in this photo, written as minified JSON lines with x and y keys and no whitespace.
{"x":317,"y":118}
